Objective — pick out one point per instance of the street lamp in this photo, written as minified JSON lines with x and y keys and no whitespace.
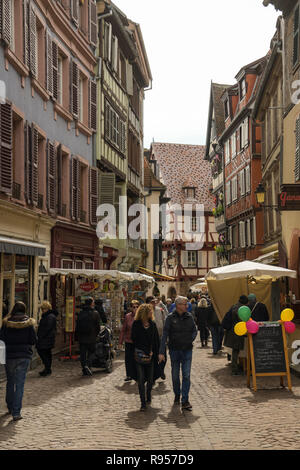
{"x":260,"y":194}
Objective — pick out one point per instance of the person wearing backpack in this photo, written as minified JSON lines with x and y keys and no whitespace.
{"x":87,"y":330}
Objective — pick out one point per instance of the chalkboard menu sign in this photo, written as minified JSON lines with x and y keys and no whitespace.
{"x":269,"y":349}
{"x":267,"y":354}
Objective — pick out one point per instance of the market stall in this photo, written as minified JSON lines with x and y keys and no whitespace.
{"x":72,"y":286}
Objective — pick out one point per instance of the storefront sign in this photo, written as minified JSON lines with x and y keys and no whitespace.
{"x":289,"y":198}
{"x":89,"y":286}
{"x":69,"y":327}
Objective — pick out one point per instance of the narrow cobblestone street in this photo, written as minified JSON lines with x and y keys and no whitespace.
{"x":67,"y":411}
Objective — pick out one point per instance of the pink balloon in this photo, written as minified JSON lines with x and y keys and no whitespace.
{"x":252,"y":327}
{"x":289,"y":326}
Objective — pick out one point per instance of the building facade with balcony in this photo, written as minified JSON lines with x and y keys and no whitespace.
{"x":123,"y":75}
{"x":47,"y":120}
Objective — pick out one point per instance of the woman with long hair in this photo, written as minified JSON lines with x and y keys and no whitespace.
{"x":202,"y":313}
{"x":125,"y":336}
{"x":46,"y":336}
{"x":145,"y":339}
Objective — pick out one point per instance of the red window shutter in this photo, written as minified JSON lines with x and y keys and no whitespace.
{"x":51,"y":178}
{"x":6,"y":21}
{"x":74,"y":89}
{"x":6,"y":157}
{"x":33,"y":41}
{"x":75,"y":11}
{"x":93,"y":29}
{"x":49,"y":63}
{"x":93,"y":181}
{"x":93,"y":105}
{"x":75,"y":188}
{"x":55,"y":69}
{"x":34,"y":160}
{"x":59,"y":180}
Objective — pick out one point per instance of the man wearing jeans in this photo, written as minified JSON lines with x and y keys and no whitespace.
{"x":181,"y":331}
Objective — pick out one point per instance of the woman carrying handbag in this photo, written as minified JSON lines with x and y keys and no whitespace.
{"x":145,"y":339}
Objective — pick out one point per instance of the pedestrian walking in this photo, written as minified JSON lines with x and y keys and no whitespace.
{"x":46,"y":336}
{"x":169,"y":304}
{"x":180,"y":331}
{"x":202,"y":314}
{"x":194,"y":308}
{"x":231,"y":340}
{"x":145,"y":339}
{"x":259,"y":311}
{"x":160,"y":315}
{"x":217,"y":331}
{"x":125,"y":336}
{"x":87,"y":330}
{"x":19,"y":336}
{"x":100,"y":310}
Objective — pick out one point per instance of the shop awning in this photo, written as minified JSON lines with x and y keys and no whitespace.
{"x":103,"y":275}
{"x":159,"y":276}
{"x":15,"y":246}
{"x":268,"y":258}
{"x":249,"y":268}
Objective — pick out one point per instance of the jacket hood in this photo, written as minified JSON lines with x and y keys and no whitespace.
{"x":19,"y":321}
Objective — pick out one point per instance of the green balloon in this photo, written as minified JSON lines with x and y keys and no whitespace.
{"x":244,"y":313}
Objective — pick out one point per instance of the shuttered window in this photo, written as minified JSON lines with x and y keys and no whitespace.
{"x":93,"y":22}
{"x":26,"y":42}
{"x":227,"y":152}
{"x":55,"y":69}
{"x":233,"y":145}
{"x":49,"y":63}
{"x":297,"y":155}
{"x":75,"y":189}
{"x":6,"y":148}
{"x":115,"y":128}
{"x":7,"y":23}
{"x":107,"y":188}
{"x":234,"y":188}
{"x":31,"y":164}
{"x":59,"y":173}
{"x":93,"y":105}
{"x":247,"y":178}
{"x":296,"y":37}
{"x":242,"y":182}
{"x":93,"y":203}
{"x":75,"y":11}
{"x":51,"y":177}
{"x":242,"y":234}
{"x":74,"y":95}
{"x":33,"y":43}
{"x":228,"y":193}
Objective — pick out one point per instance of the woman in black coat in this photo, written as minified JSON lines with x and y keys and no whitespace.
{"x":202,"y":314}
{"x":46,"y":336}
{"x":145,"y":338}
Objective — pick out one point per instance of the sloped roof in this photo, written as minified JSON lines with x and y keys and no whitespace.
{"x":217,"y":92}
{"x":180,"y":163}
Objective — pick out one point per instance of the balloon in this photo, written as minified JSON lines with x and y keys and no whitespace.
{"x":252,"y":327}
{"x":244,"y":313}
{"x":289,"y":326}
{"x":240,"y":328}
{"x":287,"y":314}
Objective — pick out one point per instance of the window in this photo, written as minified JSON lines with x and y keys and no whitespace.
{"x":226,"y":106}
{"x":89,"y":264}
{"x":194,"y":224}
{"x":228,"y":193}
{"x":242,"y":182}
{"x":135,"y":98}
{"x":192,"y":259}
{"x":227,"y":152}
{"x":234,"y":236}
{"x":67,"y":264}
{"x":247,"y":178}
{"x":123,"y":70}
{"x":115,"y":128}
{"x":234,"y":188}
{"x":60,"y":80}
{"x":242,"y":234}
{"x":233,"y":145}
{"x":134,"y":154}
{"x":190,"y":193}
{"x":243,"y":86}
{"x":80,"y":99}
{"x":253,"y":231}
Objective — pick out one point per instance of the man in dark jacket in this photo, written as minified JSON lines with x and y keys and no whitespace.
{"x":232,"y":340}
{"x":181,"y":331}
{"x":259,"y":311}
{"x":87,"y":330}
{"x":100,"y":310}
{"x":46,"y":337}
{"x":19,"y":336}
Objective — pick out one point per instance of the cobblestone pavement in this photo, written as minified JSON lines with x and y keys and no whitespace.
{"x":68,"y":411}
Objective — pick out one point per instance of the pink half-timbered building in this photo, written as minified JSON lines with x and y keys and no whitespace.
{"x":187,"y":176}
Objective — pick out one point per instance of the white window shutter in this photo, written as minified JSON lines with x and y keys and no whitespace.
{"x":248,"y":185}
{"x":184,"y":259}
{"x":248,"y":233}
{"x":228,"y":193}
{"x":246,"y":131}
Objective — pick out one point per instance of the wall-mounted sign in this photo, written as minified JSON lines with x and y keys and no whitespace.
{"x":289,"y":198}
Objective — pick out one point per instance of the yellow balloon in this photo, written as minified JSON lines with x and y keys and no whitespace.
{"x":287,"y":314}
{"x":240,"y":328}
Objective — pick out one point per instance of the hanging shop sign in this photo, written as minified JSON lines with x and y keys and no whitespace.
{"x":289,"y":198}
{"x":88,"y":286}
{"x":70,"y":323}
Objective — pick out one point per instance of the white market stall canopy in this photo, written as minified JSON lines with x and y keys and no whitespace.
{"x":198,"y":286}
{"x":249,"y":268}
{"x":103,"y":275}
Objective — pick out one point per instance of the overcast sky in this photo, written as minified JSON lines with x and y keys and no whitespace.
{"x":189,"y":43}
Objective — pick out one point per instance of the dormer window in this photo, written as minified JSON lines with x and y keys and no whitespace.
{"x":226,"y":106}
{"x":243,"y":88}
{"x":190,"y":193}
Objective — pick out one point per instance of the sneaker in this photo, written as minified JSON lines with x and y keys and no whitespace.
{"x":143,"y":408}
{"x":186,"y":406}
{"x":127,"y":379}
{"x":17,"y":418}
{"x":177,"y":400}
{"x":88,"y":371}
